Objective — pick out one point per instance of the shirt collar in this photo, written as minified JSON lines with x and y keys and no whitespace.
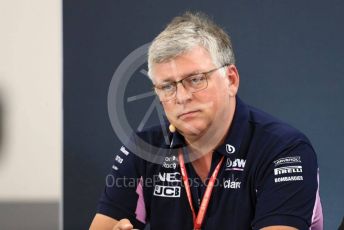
{"x":237,"y":130}
{"x":178,"y":140}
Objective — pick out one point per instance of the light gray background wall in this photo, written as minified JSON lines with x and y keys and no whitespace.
{"x":290,"y":59}
{"x":30,"y":113}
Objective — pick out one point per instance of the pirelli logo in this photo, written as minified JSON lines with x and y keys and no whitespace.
{"x":288,"y":170}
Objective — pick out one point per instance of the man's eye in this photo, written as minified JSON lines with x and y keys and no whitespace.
{"x":196,"y":79}
{"x":167,"y":87}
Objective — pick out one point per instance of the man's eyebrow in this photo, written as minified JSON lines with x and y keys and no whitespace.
{"x":191,"y":73}
{"x":171,"y":79}
{"x":168,"y":79}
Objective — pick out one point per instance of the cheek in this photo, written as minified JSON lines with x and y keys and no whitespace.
{"x":208,"y":102}
{"x":212,"y":96}
{"x":168,"y":108}
{"x":215,"y":99}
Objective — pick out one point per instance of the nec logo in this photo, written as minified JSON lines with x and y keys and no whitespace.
{"x":166,"y":191}
{"x":236,"y":165}
{"x":169,"y":177}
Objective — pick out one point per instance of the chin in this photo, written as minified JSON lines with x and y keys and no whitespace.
{"x":192,"y":128}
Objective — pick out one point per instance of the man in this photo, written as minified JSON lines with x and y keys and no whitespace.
{"x":237,"y":167}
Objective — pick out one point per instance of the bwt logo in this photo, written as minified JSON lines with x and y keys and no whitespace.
{"x":237,"y":164}
{"x":230,"y":148}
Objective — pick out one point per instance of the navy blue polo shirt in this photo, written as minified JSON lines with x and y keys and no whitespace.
{"x":268,"y":177}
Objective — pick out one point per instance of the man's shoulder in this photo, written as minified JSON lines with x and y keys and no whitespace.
{"x":273,"y":139}
{"x":273,"y":129}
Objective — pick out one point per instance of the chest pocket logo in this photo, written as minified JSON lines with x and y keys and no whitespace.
{"x":170,"y":186}
{"x":169,"y":177}
{"x":235,"y":165}
{"x":167,"y":191}
{"x":230,"y":148}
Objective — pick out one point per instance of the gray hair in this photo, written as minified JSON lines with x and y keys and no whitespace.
{"x":184,"y":33}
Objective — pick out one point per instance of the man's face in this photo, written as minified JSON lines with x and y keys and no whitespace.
{"x":193,"y":113}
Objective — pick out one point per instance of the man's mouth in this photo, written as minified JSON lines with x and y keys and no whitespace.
{"x":187,"y":114}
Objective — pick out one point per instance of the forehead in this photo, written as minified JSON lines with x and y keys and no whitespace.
{"x":194,"y":61}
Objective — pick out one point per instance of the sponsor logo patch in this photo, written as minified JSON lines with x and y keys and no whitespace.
{"x":230,"y":148}
{"x":119,"y":159}
{"x":172,"y":165}
{"x":288,"y":178}
{"x":287,"y":160}
{"x":170,"y":177}
{"x":235,"y":165}
{"x":288,"y":169}
{"x":170,"y":162}
{"x":231,"y":184}
{"x":123,"y":150}
{"x":166,"y":191}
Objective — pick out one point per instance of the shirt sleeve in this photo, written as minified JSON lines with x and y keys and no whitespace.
{"x":287,"y":189}
{"x":123,"y":193}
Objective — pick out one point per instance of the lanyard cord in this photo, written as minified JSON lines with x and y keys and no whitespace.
{"x":198,"y":220}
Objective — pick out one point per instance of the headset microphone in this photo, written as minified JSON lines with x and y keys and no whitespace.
{"x":172,"y":128}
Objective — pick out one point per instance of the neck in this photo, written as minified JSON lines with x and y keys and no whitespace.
{"x":202,"y":166}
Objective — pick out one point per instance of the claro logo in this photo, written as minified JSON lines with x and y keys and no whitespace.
{"x":231,"y":184}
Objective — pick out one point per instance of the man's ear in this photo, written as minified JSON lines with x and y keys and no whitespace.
{"x":233,"y":79}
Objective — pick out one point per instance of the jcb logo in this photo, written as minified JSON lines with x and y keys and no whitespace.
{"x":236,"y":164}
{"x":167,"y":191}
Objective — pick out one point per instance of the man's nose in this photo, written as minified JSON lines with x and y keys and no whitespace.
{"x":182,"y":94}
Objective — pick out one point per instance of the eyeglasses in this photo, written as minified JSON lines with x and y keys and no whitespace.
{"x":193,"y":83}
